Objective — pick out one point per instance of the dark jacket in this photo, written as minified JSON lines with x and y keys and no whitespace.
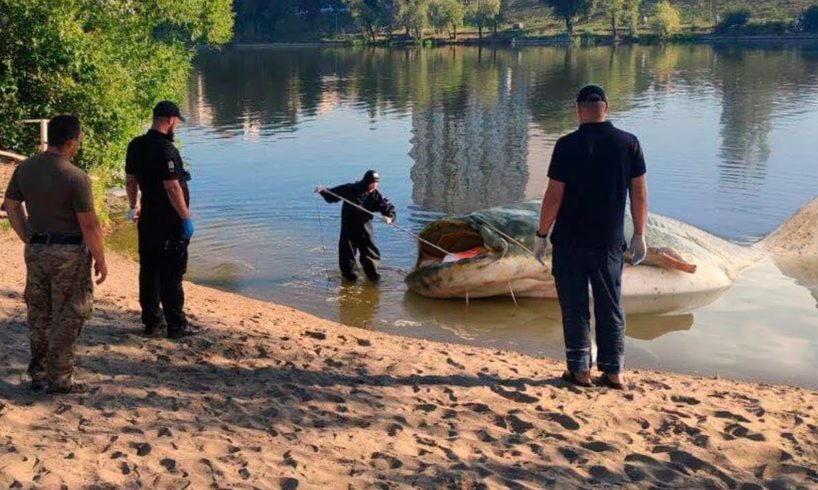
{"x":353,"y":220}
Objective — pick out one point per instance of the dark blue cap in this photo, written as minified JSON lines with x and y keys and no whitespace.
{"x":371,"y":176}
{"x":167,"y":108}
{"x":591,"y":93}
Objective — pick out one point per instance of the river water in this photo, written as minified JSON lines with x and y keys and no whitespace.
{"x":730,"y":136}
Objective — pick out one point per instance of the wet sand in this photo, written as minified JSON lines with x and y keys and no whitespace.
{"x":270,"y":397}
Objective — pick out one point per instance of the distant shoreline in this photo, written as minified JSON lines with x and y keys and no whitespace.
{"x":587,"y":40}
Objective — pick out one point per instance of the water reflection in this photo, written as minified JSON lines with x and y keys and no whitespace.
{"x":358,"y":303}
{"x":469,"y":144}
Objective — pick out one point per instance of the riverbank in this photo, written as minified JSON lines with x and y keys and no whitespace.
{"x":561,"y":40}
{"x":271,"y":397}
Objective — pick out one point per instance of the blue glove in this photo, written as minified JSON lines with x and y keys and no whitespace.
{"x":187,"y":228}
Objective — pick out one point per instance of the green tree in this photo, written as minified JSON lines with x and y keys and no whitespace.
{"x":572,"y":11}
{"x":666,"y":20}
{"x":446,"y":14}
{"x":614,"y":9}
{"x":412,"y":15}
{"x":630,"y":15}
{"x":482,"y":13}
{"x":809,"y":19}
{"x":106,"y":62}
{"x":370,"y":15}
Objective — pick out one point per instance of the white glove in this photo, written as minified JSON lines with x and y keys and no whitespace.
{"x":638,"y":249}
{"x":540,"y":246}
{"x":388,"y":220}
{"x":319,"y":189}
{"x":132,"y":214}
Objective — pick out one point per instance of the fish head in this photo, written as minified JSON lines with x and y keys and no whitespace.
{"x":480,"y":254}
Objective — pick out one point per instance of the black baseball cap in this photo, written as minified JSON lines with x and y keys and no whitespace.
{"x":167,"y":108}
{"x":591,"y":93}
{"x":371,"y":176}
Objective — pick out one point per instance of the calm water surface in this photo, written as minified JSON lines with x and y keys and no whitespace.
{"x":729,"y":134}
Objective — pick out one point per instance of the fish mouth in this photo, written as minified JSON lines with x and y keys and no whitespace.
{"x":458,"y":257}
{"x":447,"y":242}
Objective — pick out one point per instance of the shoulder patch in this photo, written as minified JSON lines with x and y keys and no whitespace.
{"x":171,"y":166}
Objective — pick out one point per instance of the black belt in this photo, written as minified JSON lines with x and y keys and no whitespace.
{"x":53,"y":239}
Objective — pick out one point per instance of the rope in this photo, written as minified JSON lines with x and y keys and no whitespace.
{"x":323,"y":247}
{"x":416,"y":236}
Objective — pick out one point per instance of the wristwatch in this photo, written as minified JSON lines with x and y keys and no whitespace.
{"x":543,"y":235}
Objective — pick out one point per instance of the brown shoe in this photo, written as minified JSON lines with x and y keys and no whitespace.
{"x":576,"y":380}
{"x":606,"y":380}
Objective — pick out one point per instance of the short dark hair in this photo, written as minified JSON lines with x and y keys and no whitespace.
{"x":63,"y":129}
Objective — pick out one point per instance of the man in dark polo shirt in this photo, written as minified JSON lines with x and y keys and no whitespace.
{"x":592,"y":171}
{"x":62,"y":234}
{"x":154,"y":167}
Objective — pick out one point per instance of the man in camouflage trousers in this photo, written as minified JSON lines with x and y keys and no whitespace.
{"x":62,"y":235}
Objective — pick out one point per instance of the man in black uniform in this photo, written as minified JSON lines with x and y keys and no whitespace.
{"x":356,"y":225}
{"x":154,"y":166}
{"x":592,"y":172}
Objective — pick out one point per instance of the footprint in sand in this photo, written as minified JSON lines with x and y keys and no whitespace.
{"x":169,"y":464}
{"x":385,"y":461}
{"x":426,"y":407}
{"x":599,"y":447}
{"x":289,"y":484}
{"x":723,"y":414}
{"x":686,"y":400}
{"x":315,"y":335}
{"x":695,"y":464}
{"x":484,"y":436}
{"x":142,"y":448}
{"x":738,"y":430}
{"x":516,"y":396}
{"x":289,"y":461}
{"x":565,"y":421}
{"x":518,"y":425}
{"x":394,"y":429}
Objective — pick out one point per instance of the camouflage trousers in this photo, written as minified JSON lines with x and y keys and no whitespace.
{"x":59,"y":295}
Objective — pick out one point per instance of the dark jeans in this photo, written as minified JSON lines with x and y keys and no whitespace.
{"x":362,"y":245}
{"x":573,"y":269}
{"x":162,"y":264}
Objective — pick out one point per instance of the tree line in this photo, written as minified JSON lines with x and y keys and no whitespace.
{"x":397,"y":20}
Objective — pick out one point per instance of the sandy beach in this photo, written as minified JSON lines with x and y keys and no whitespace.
{"x":270,"y":397}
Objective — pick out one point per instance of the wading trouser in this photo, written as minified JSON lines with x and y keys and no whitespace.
{"x":162,"y":265}
{"x":573,"y":270}
{"x":360,"y":244}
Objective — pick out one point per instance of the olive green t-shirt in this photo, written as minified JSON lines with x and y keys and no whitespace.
{"x":54,"y":191}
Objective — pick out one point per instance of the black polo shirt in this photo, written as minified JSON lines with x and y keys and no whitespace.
{"x":596,"y":162}
{"x":153,"y":159}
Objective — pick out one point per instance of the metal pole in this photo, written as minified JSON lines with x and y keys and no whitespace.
{"x":43,"y":131}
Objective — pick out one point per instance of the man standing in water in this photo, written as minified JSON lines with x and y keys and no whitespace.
{"x":356,"y":224}
{"x":154,"y":166}
{"x":62,"y":235}
{"x":591,"y":172}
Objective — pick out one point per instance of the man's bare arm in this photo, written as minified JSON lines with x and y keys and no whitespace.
{"x":132,"y":189}
{"x":17,"y":217}
{"x":93,"y":237}
{"x":639,"y":204}
{"x":551,"y":203}
{"x":177,"y":198}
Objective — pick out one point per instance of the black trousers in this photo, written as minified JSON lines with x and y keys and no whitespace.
{"x":359,"y":244}
{"x":162,"y":265}
{"x":573,"y":270}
